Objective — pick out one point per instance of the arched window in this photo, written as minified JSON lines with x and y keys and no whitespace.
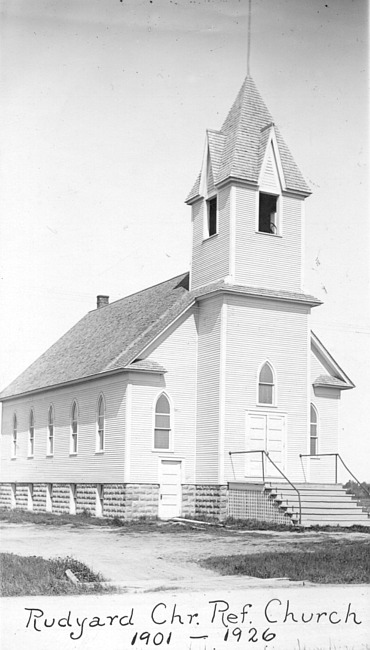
{"x":162,"y":425}
{"x":31,"y":434}
{"x":266,"y":385}
{"x":74,"y":428}
{"x":313,"y":431}
{"x":15,"y":436}
{"x":100,"y":425}
{"x":50,"y":441}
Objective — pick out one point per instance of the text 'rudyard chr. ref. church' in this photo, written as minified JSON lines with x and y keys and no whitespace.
{"x":207,"y":394}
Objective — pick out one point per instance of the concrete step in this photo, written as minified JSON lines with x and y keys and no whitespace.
{"x":330,"y":512}
{"x":320,"y":504}
{"x":334,"y":522}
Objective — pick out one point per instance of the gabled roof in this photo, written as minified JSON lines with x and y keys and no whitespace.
{"x":243,"y":140}
{"x":111,"y":339}
{"x":107,"y":339}
{"x":335,"y":377}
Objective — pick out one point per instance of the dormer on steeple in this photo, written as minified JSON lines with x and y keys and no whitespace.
{"x":247,"y":202}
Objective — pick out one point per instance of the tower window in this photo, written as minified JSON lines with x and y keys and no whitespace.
{"x":267,"y":214}
{"x":211,"y":217}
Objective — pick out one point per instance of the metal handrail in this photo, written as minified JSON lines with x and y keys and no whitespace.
{"x":336,"y":467}
{"x":265,"y":453}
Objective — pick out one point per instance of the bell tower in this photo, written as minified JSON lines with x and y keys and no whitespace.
{"x":248,"y":203}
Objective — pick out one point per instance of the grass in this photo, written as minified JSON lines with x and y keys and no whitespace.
{"x":332,"y":562}
{"x":143,"y":524}
{"x":35,"y":576}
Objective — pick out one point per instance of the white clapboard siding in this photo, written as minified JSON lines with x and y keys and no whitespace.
{"x":210,"y":257}
{"x":87,"y":465}
{"x":326,"y":401}
{"x":258,"y":331}
{"x":177,"y":353}
{"x":208,"y":400}
{"x":264,"y":260}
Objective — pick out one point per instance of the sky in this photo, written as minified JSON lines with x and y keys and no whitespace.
{"x":104,"y":107}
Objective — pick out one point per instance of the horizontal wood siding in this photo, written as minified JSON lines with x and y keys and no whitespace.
{"x":178,"y":354}
{"x":210,"y":257}
{"x":264,"y":260}
{"x":258,"y":331}
{"x":326,"y":401}
{"x":85,"y":467}
{"x":208,"y":404}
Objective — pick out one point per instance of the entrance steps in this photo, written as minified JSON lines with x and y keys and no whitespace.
{"x":321,"y":504}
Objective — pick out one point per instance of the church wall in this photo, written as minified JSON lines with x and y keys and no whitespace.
{"x":326,"y":401}
{"x":208,"y":403}
{"x":210,"y":259}
{"x":259,"y":331}
{"x":265,"y":260}
{"x":177,"y":353}
{"x":87,"y":465}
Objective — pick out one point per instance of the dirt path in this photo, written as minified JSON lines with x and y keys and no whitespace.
{"x":157,"y":558}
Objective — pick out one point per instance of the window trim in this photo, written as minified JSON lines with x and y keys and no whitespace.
{"x":14,"y":453}
{"x":278,"y":224}
{"x":31,"y":438}
{"x":50,"y":448}
{"x":100,"y":449}
{"x":170,"y":448}
{"x":274,"y":402}
{"x":316,"y":437}
{"x":206,"y":224}
{"x":73,"y":434}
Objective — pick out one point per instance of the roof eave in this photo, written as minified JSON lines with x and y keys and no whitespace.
{"x":73,"y":382}
{"x":252,"y":294}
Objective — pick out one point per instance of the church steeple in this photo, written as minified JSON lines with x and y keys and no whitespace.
{"x":238,"y":149}
{"x":249,"y":185}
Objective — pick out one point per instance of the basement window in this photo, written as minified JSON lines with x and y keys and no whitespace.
{"x":268,"y":214}
{"x":211,"y":217}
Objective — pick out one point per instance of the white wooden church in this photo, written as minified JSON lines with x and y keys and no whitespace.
{"x":205,"y":395}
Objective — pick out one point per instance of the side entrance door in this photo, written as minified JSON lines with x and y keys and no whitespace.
{"x":170,"y":489}
{"x":265,"y":431}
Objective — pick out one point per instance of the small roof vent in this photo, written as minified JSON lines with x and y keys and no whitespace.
{"x":102,"y":301}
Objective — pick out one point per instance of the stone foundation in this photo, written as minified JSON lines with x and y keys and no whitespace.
{"x":86,"y":498}
{"x":134,"y":500}
{"x":211,"y":501}
{"x":39,"y":497}
{"x":22,"y":490}
{"x":6,"y":499}
{"x":61,"y":498}
{"x":130,"y":500}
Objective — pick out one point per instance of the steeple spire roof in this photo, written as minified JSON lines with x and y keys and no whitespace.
{"x":237,"y":150}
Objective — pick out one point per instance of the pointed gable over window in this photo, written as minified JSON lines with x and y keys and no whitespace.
{"x":239,"y":147}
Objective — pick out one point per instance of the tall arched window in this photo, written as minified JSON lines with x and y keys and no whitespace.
{"x":31,"y":434}
{"x":100,"y":425}
{"x":313,"y":431}
{"x":74,"y":428}
{"x":50,"y":441}
{"x":15,"y":436}
{"x":162,"y":425}
{"x":266,"y":385}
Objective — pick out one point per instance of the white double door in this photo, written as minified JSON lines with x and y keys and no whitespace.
{"x":265,"y":431}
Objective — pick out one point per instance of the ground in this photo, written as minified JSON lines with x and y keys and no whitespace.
{"x":164,"y":556}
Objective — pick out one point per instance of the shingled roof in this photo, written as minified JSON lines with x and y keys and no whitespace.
{"x":111,"y":338}
{"x":237,"y":150}
{"x":106,"y":339}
